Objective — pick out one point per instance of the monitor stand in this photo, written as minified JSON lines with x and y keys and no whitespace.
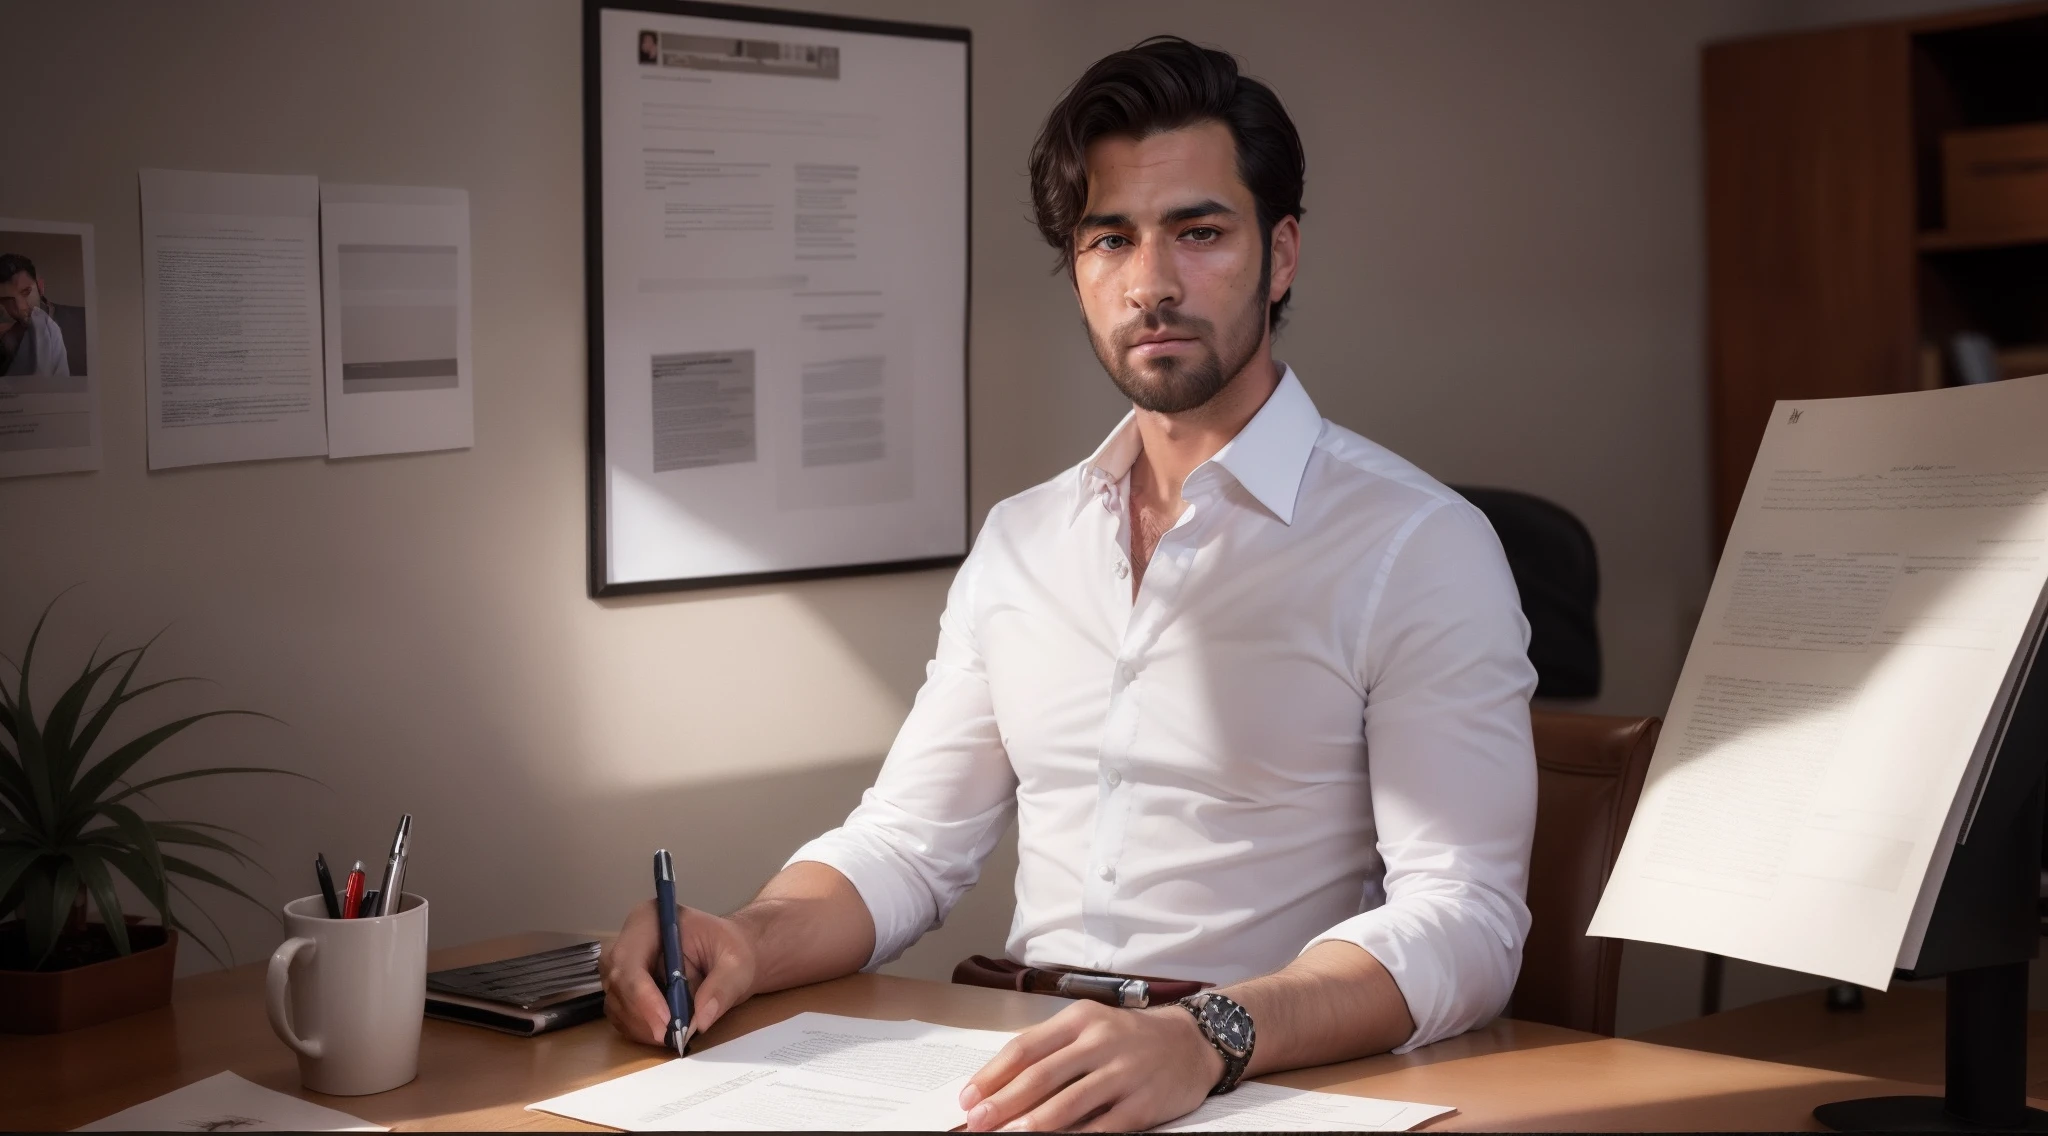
{"x":1987,"y":1066}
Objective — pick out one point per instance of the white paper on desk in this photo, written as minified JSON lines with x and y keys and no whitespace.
{"x":1868,"y":622}
{"x":227,"y":1103}
{"x":1251,"y":1107}
{"x":395,"y":272}
{"x":231,"y":317}
{"x":1256,"y":1107}
{"x":812,"y":1071}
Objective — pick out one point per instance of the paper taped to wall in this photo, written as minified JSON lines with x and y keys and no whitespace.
{"x":231,"y":317}
{"x":395,"y":269}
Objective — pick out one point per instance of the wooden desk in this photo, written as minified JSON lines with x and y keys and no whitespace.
{"x":1510,"y":1075}
{"x":1898,"y":1033}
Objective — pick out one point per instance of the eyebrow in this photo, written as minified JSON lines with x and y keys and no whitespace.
{"x":1207,"y":208}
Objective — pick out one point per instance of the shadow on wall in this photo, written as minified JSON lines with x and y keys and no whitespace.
{"x":748,"y":827}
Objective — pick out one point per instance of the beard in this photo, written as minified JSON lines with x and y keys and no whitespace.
{"x":1174,"y":385}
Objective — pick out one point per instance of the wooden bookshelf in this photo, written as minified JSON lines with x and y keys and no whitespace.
{"x":1831,"y":268}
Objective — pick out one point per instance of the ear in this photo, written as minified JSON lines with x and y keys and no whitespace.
{"x":1286,"y":257}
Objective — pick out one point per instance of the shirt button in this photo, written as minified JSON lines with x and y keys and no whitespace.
{"x":1125,"y":673}
{"x":1113,"y":777}
{"x":1123,"y":569}
{"x":1107,"y":874}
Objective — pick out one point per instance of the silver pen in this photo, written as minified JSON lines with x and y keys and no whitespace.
{"x":394,"y":869}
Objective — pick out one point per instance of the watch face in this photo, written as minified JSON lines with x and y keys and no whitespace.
{"x":1229,"y":1025}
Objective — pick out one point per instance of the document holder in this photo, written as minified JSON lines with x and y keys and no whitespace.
{"x":1985,"y":927}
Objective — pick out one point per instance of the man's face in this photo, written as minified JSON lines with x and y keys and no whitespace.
{"x":18,"y":295}
{"x":1170,"y":267}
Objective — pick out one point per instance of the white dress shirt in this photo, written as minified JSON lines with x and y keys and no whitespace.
{"x":1311,"y":724}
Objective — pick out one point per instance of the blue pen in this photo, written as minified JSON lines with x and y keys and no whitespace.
{"x":666,"y":917}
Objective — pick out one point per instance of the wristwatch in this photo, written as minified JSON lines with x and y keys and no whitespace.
{"x":1228,"y":1028}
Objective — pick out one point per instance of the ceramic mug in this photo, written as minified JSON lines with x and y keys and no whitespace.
{"x":348,"y":995}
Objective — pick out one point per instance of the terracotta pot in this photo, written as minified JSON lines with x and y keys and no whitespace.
{"x":53,"y":1001}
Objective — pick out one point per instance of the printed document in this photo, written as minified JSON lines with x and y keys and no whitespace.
{"x":395,"y":273}
{"x":826,"y":1072}
{"x":227,"y":1103}
{"x":231,"y":317}
{"x":1874,"y":610}
{"x":812,"y":1071}
{"x":784,"y":295}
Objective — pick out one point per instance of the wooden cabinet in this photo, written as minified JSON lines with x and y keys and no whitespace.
{"x":1831,"y":269}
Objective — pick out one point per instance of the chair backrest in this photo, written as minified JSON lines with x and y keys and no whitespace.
{"x":1589,"y":773}
{"x":1557,"y":572}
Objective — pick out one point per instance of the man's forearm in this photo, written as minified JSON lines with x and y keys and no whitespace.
{"x":1334,"y":1003}
{"x":807,"y":925}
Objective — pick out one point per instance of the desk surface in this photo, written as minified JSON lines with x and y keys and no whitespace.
{"x":1510,"y":1075}
{"x":1898,"y":1033}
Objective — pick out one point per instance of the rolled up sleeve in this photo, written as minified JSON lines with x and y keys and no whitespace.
{"x":1444,"y":662}
{"x":918,"y":838}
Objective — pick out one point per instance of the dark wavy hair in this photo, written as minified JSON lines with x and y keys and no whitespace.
{"x":1160,"y":84}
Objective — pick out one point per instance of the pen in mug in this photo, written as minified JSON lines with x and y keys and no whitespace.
{"x":394,"y":871}
{"x":327,"y":895}
{"x":352,"y":899}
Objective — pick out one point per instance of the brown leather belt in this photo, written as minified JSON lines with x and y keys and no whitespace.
{"x":1132,"y":991}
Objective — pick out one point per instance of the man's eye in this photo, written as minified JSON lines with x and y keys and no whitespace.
{"x":1202,"y":233}
{"x":1109,"y":242}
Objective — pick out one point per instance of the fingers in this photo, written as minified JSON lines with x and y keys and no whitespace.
{"x":1023,"y":1051}
{"x":724,"y":965}
{"x":1073,"y":1104}
{"x":632,"y":1001}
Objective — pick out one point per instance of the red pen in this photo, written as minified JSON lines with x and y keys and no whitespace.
{"x":353,"y":898}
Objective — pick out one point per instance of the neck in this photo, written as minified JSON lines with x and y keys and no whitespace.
{"x":1174,"y":444}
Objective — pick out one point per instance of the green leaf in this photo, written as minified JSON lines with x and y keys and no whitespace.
{"x":118,"y":696}
{"x":16,"y":860}
{"x":188,"y":930}
{"x":117,"y":699}
{"x":215,"y":771}
{"x":45,"y":908}
{"x":176,"y":832}
{"x":101,"y":885}
{"x":150,"y":883}
{"x":175,"y":866}
{"x":28,"y":739}
{"x":144,"y":843}
{"x":62,"y":722}
{"x":96,"y":780}
{"x":14,"y":786}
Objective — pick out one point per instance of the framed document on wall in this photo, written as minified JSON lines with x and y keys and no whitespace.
{"x":776,"y":210}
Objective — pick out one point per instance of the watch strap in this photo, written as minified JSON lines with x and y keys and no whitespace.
{"x":1209,"y":1011}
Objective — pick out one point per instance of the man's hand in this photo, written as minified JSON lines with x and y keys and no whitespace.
{"x":719,"y":959}
{"x":1095,"y":1068}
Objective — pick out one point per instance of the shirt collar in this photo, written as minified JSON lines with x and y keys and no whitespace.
{"x":1267,"y":457}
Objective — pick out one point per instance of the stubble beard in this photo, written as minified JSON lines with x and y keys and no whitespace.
{"x":1174,"y":385}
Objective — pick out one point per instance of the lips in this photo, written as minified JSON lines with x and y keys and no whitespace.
{"x":1160,"y":342}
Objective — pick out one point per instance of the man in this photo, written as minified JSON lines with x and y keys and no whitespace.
{"x":1255,"y":688}
{"x":31,"y":342}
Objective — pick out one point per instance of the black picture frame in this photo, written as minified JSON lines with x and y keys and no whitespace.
{"x":599,"y":528}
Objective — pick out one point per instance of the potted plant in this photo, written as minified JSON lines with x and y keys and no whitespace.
{"x":68,"y":824}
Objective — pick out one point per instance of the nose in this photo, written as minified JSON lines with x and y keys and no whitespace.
{"x":1155,"y":278}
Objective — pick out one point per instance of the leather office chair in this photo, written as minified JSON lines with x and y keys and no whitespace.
{"x":1589,"y":773}
{"x":1557,"y":573}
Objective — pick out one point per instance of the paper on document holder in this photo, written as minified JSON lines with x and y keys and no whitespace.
{"x":1866,"y":629}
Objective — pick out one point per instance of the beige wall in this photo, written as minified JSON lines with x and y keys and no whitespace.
{"x":1502,"y":281}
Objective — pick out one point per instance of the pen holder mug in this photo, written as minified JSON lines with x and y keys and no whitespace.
{"x":348,"y":995}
